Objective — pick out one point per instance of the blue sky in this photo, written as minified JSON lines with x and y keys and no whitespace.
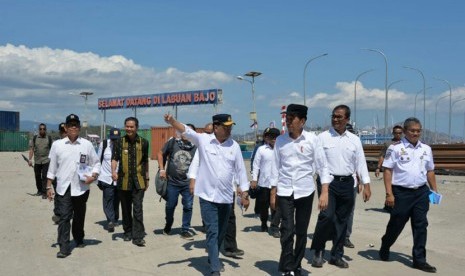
{"x":49,"y":49}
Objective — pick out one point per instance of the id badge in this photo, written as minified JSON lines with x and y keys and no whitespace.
{"x":82,"y":160}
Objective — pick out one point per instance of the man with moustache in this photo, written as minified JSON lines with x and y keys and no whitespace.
{"x":220,"y":162}
{"x":75,"y":164}
{"x":130,"y":168}
{"x":408,"y":177}
{"x":345,"y":156}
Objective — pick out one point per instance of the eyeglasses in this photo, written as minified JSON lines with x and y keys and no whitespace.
{"x":337,"y":117}
{"x":73,"y":124}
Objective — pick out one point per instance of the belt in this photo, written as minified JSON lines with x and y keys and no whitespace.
{"x":342,"y":178}
{"x":409,"y":188}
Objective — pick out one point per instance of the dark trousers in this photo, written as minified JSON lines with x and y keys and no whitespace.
{"x":263,"y":202}
{"x":215,"y":216}
{"x":110,"y":202}
{"x":410,"y":204}
{"x":332,"y":222}
{"x":295,"y":214}
{"x":71,"y":207}
{"x":132,"y":211}
{"x":350,"y":220}
{"x":56,"y":211}
{"x":40,"y":173}
{"x":229,"y":242}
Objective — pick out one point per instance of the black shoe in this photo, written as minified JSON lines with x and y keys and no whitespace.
{"x":233,"y":254}
{"x":264,"y":228}
{"x":426,"y":267}
{"x":139,"y":242}
{"x":127,"y":237}
{"x":384,"y":254}
{"x":111,"y":227}
{"x":38,"y":194}
{"x":318,"y":259}
{"x":63,"y":255}
{"x":166,"y":231}
{"x":339,"y":263}
{"x":80,"y":244}
{"x":274,"y":231}
{"x":298,"y":272}
{"x":187,"y":236}
{"x":348,"y":244}
{"x":288,"y":273}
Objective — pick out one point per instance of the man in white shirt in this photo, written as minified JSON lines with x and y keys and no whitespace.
{"x":110,"y":199}
{"x":75,"y":164}
{"x":345,"y":156}
{"x":408,"y":178}
{"x":298,"y":154}
{"x":220,"y":162}
{"x":261,"y":177}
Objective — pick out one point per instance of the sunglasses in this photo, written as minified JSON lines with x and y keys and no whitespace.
{"x":42,"y":128}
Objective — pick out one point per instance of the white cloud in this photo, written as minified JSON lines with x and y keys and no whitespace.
{"x":32,"y":78}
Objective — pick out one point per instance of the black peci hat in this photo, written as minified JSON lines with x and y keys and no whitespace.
{"x":297,"y":109}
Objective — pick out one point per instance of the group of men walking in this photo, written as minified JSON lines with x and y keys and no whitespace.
{"x":284,"y":170}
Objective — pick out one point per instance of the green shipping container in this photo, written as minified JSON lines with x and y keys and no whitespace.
{"x":14,"y":140}
{"x":144,"y":133}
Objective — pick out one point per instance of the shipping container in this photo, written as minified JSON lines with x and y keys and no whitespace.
{"x":160,"y":135}
{"x":14,"y":140}
{"x":9,"y":120}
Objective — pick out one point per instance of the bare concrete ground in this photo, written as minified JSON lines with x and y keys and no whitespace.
{"x":28,"y":236}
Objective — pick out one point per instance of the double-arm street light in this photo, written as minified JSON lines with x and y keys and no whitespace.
{"x":305,"y":70}
{"x":253,"y":115}
{"x":355,"y":95}
{"x":435,"y":118}
{"x":385,"y":88}
{"x":450,"y":105}
{"x":424,"y":90}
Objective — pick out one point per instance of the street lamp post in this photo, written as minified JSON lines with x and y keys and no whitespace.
{"x":459,"y":100}
{"x":415,"y":104}
{"x":253,"y":115}
{"x":450,"y":105}
{"x":385,"y":88}
{"x":424,"y":90}
{"x":435,"y":119}
{"x":305,"y":70}
{"x":355,"y":95}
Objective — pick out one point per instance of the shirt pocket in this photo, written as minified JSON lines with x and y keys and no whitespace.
{"x":331,"y":151}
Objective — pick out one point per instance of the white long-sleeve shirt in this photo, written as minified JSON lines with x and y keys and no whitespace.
{"x":65,"y":159}
{"x":263,"y":164}
{"x":105,"y":170}
{"x":296,"y":161}
{"x":219,"y":165}
{"x":344,"y":154}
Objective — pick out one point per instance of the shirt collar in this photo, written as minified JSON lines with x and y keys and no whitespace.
{"x":333,"y":132}
{"x":407,"y":144}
